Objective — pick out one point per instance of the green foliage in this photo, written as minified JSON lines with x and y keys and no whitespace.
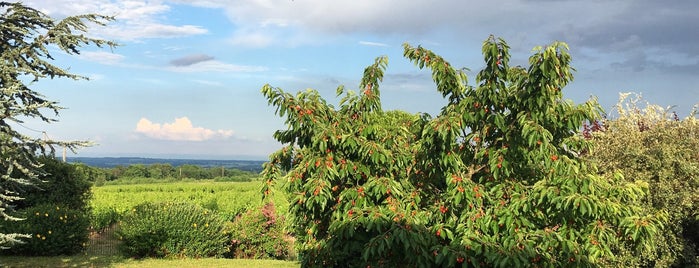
{"x":95,"y":175}
{"x":494,"y":180}
{"x":648,"y":142}
{"x":173,"y":230}
{"x":61,"y":184}
{"x":54,"y":230}
{"x":137,"y":171}
{"x":26,"y":37}
{"x":103,"y":217}
{"x":158,"y":172}
{"x":63,"y":231}
{"x":259,"y":234}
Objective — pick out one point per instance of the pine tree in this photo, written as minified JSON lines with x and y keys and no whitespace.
{"x":26,"y":35}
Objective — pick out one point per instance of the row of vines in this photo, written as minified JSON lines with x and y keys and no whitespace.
{"x":109,"y":202}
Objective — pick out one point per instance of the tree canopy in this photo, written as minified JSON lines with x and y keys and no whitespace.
{"x":26,"y":39}
{"x":495,"y":179}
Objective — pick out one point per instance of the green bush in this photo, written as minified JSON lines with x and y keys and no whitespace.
{"x":56,"y":212}
{"x":259,"y":234}
{"x":62,"y":184}
{"x":173,"y":230}
{"x":54,"y":230}
{"x":650,"y":143}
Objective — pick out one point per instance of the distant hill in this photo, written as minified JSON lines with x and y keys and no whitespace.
{"x":110,"y":162}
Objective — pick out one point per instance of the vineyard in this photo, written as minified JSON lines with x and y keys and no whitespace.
{"x":229,"y":199}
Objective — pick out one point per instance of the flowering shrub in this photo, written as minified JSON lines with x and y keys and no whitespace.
{"x":54,"y":230}
{"x":56,"y":212}
{"x":649,"y":142}
{"x":259,"y":234}
{"x":173,"y":230}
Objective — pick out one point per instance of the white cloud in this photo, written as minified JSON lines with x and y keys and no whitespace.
{"x":215,"y":66}
{"x":135,"y":32}
{"x":374,"y":44}
{"x":180,"y":130}
{"x":102,"y":57}
{"x":135,"y":19}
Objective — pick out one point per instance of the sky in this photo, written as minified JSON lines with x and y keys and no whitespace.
{"x":185,"y":81}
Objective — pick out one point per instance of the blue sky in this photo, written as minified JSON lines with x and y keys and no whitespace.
{"x":186,"y":81}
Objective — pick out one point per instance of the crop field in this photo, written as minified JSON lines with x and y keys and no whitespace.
{"x":226,"y":198}
{"x":109,"y":202}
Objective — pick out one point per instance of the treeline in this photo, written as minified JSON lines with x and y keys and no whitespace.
{"x":160,"y":171}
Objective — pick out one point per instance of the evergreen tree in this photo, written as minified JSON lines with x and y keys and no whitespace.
{"x":26,"y":35}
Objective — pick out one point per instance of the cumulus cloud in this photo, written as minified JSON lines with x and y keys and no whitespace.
{"x":190,"y":60}
{"x":180,"y":130}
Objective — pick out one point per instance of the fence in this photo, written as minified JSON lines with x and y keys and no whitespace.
{"x":103,"y":242}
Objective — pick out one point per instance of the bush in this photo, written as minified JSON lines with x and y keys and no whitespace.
{"x":259,"y":234}
{"x":54,"y":230}
{"x":650,"y":143}
{"x":62,"y":184}
{"x":173,"y":230}
{"x":56,"y":210}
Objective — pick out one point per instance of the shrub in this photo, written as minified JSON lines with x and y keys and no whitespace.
{"x":650,"y":143}
{"x":172,"y":230}
{"x":259,"y":234}
{"x":54,"y":230}
{"x":56,"y":210}
{"x":62,"y":184}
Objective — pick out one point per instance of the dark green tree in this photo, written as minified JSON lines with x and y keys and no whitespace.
{"x":26,"y":35}
{"x":160,"y":171}
{"x":137,"y":171}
